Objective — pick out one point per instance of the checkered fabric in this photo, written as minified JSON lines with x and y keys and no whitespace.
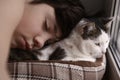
{"x":56,"y":70}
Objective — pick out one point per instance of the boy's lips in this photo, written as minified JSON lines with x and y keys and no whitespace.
{"x":21,"y":43}
{"x":27,"y":45}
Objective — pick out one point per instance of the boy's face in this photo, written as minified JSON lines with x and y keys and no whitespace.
{"x":37,"y":26}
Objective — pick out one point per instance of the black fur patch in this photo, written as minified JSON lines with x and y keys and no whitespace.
{"x":21,"y":55}
{"x":58,"y":54}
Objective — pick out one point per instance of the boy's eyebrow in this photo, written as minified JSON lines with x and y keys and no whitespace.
{"x":56,"y":32}
{"x":55,"y":29}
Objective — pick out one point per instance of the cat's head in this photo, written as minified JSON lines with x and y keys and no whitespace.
{"x":94,"y":33}
{"x":89,"y":26}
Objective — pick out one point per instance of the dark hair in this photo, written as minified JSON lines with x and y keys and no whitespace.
{"x":68,"y":13}
{"x":22,"y":55}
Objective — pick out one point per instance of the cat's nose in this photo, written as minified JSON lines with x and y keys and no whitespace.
{"x":103,"y":52}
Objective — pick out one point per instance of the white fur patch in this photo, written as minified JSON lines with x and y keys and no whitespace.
{"x":78,"y":49}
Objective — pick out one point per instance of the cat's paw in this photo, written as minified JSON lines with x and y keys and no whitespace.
{"x":79,"y":59}
{"x":85,"y":59}
{"x":98,"y":55}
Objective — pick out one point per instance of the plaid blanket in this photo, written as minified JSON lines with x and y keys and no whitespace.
{"x":57,"y":70}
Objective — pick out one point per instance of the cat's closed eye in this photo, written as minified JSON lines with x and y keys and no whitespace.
{"x":98,"y":44}
{"x":107,"y":41}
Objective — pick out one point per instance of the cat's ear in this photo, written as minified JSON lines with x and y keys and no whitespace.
{"x":88,"y":30}
{"x":79,"y":27}
{"x":83,"y":21}
{"x":106,"y":22}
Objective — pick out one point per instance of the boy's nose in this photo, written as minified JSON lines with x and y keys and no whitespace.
{"x":38,"y":42}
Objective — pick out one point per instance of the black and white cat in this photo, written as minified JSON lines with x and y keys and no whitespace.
{"x":88,"y":41}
